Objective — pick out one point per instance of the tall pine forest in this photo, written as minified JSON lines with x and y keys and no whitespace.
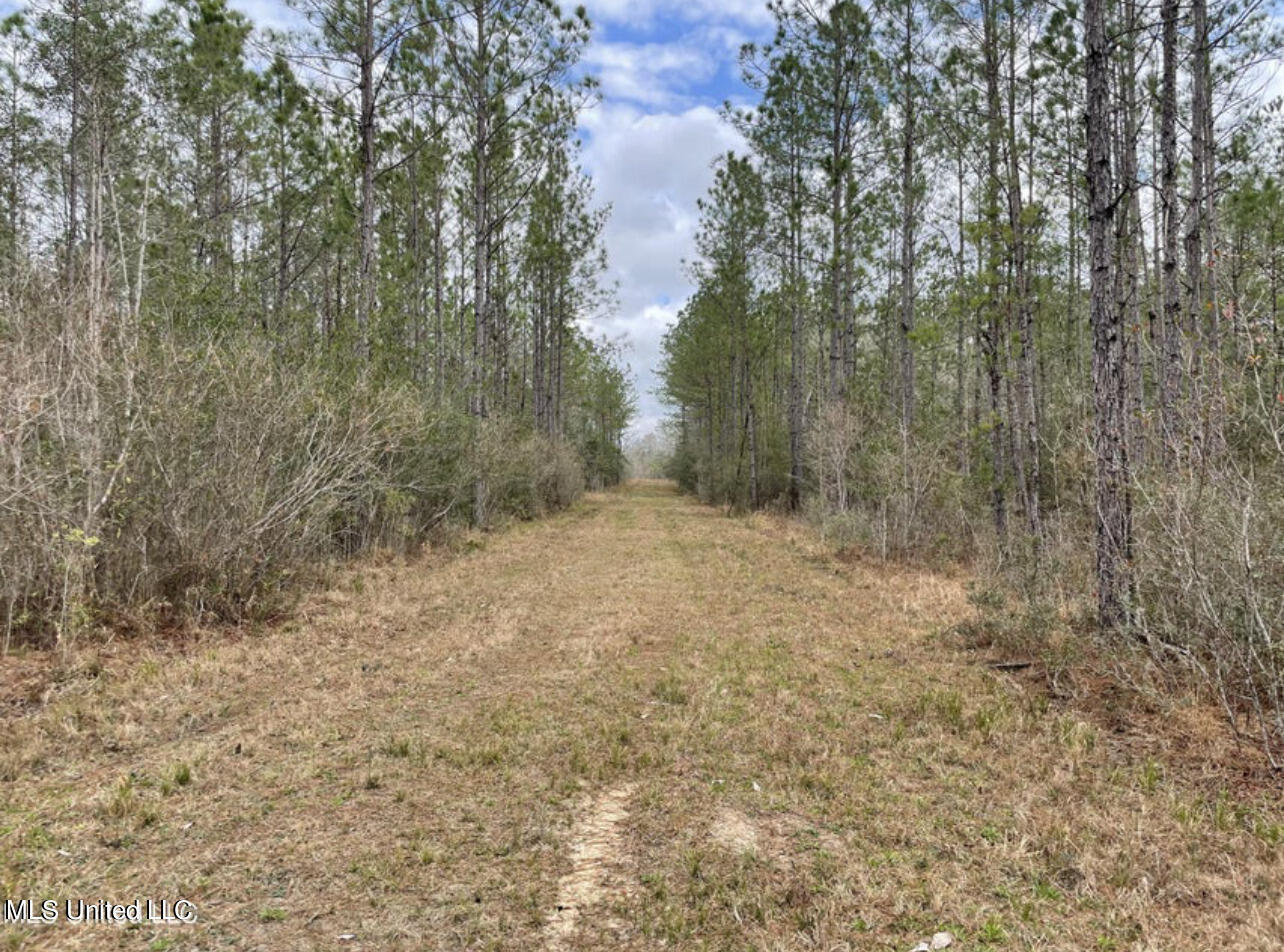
{"x":998,"y":283}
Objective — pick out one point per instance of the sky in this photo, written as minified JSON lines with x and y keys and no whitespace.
{"x":666,"y":68}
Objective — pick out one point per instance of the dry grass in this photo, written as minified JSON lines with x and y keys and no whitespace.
{"x":706,"y":731}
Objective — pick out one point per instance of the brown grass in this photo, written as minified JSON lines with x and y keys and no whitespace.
{"x":789,"y":752}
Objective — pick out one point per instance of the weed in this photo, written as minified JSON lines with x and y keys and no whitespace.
{"x":1045,"y":890}
{"x":1151,"y":774}
{"x":180,"y":775}
{"x":670,"y":690}
{"x":1076,"y":736}
{"x":123,"y":802}
{"x":990,"y":717}
{"x":992,"y":931}
{"x":397,"y":747}
{"x":986,"y":598}
{"x":1270,"y":833}
{"x":946,"y":706}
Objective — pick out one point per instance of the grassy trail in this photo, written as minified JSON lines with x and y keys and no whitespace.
{"x":636,"y":725}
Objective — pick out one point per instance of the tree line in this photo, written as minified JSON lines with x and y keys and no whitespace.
{"x":269,"y":295}
{"x":1001,"y":279}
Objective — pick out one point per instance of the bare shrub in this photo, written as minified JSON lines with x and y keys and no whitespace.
{"x":896,"y":497}
{"x":1210,"y":585}
{"x":419,"y":480}
{"x":202,"y":480}
{"x":34,"y":507}
{"x":526,"y":473}
{"x":67,"y":414}
{"x":561,"y":478}
{"x":243,"y":471}
{"x":832,"y":440}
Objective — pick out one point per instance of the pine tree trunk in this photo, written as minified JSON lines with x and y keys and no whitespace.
{"x":1196,"y":279}
{"x":1131,"y":251}
{"x":1026,"y":455}
{"x":836,"y":316}
{"x":907,"y":382}
{"x":366,"y":124}
{"x":438,"y":293}
{"x":481,"y":245}
{"x":992,"y":344}
{"x":73,"y":153}
{"x":1114,"y":518}
{"x":796,"y":330}
{"x":1170,"y":324}
{"x":960,"y":381}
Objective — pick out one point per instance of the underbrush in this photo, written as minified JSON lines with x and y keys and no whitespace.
{"x":900,"y":498}
{"x":172,"y":481}
{"x":1126,"y":689}
{"x":1203,"y":637}
{"x":1207,"y":567}
{"x":1210,"y":589}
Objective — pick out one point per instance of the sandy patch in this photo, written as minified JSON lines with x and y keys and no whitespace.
{"x":598,"y":862}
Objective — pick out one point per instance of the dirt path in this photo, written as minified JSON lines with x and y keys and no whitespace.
{"x":638,"y":724}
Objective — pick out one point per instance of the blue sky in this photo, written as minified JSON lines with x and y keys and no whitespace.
{"x":666,"y":67}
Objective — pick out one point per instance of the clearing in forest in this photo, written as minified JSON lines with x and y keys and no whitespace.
{"x":638,"y":724}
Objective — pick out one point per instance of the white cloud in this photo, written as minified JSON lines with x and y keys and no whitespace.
{"x":669,"y":74}
{"x":270,"y":14}
{"x":651,"y":74}
{"x":652,"y":167}
{"x":645,"y":13}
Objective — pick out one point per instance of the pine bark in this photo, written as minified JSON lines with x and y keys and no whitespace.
{"x":796,"y":330}
{"x":1170,"y":324}
{"x":366,"y":130}
{"x":480,"y":242}
{"x":1114,"y":517}
{"x":991,"y":329}
{"x":908,"y":211}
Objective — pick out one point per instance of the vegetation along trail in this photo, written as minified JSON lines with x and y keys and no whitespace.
{"x":637,"y":724}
